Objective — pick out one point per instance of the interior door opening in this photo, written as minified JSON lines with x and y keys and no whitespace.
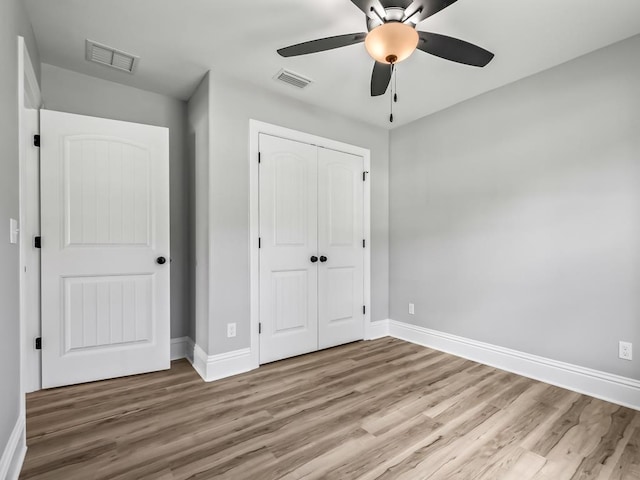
{"x":311,"y":264}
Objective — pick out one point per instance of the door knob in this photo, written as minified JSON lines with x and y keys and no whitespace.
{"x":314,"y":259}
{"x":323,"y":259}
{"x":161,"y":260}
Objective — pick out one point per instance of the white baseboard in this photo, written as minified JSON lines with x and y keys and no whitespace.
{"x":377,"y":329}
{"x":216,"y":367}
{"x":14,"y":452}
{"x":605,"y":386}
{"x":182,"y":348}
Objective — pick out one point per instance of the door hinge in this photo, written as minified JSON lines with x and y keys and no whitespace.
{"x":364,"y":243}
{"x":259,"y":242}
{"x":364,"y":310}
{"x":259,"y":157}
{"x":259,"y":327}
{"x":36,"y":140}
{"x":39,"y":343}
{"x":364,"y":176}
{"x":37,"y":242}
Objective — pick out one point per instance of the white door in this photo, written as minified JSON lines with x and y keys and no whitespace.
{"x":289,"y":238}
{"x":340,"y":245}
{"x":311,"y":255}
{"x":105,"y":248}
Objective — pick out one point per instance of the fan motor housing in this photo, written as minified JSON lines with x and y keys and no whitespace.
{"x":392,"y":14}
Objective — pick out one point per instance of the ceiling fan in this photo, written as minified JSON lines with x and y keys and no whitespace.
{"x":392,"y":37}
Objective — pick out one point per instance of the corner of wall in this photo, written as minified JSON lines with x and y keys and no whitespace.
{"x":198,"y":118}
{"x":217,"y":367}
{"x":14,"y":452}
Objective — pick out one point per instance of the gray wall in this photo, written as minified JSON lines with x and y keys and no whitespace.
{"x":72,"y":92}
{"x":233,"y":103}
{"x":515,"y":216}
{"x":13,"y":22}
{"x":199,"y":136}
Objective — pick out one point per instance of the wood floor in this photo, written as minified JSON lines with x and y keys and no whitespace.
{"x":384,"y":409}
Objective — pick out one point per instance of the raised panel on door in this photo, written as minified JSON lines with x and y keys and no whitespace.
{"x":107,"y":311}
{"x":108,"y":196}
{"x":288,"y":231}
{"x":340,"y":236}
{"x":105,"y":221}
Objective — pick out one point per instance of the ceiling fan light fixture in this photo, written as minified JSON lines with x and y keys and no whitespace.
{"x":391,"y":42}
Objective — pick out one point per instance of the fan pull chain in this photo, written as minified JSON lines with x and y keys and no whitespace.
{"x":395,"y":85}
{"x":392,"y":94}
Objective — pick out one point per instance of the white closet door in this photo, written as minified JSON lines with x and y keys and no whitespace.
{"x":340,"y":236}
{"x":288,"y":231}
{"x":105,"y":234}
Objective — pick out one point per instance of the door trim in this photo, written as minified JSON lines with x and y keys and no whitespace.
{"x":29,"y":96}
{"x":255,"y":129}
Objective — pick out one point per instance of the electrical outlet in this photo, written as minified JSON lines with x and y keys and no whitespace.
{"x":412,"y":309}
{"x":231,"y":330}
{"x":625,"y":351}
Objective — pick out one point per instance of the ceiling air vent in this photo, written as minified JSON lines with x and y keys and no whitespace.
{"x":111,"y":57}
{"x":291,"y":78}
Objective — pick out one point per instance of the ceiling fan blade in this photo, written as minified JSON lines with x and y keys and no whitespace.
{"x":368,"y":7}
{"x":454,"y":49}
{"x":429,"y":7}
{"x":380,"y":78}
{"x":322,"y":44}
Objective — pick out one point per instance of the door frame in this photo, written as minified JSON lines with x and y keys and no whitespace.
{"x":29,"y":96}
{"x":255,"y":129}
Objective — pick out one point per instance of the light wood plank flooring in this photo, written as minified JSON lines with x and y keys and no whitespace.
{"x":384,"y":409}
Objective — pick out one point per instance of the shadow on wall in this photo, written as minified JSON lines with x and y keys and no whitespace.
{"x":191,"y":181}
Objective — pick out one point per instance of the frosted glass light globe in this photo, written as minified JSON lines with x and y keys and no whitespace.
{"x":391,"y":42}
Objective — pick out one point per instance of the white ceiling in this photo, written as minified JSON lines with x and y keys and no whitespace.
{"x":178,"y":41}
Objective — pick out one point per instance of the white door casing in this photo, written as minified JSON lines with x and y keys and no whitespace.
{"x":105,"y":222}
{"x":289,"y":238}
{"x":312,"y":253}
{"x":29,"y":254}
{"x":29,"y":101}
{"x":340,"y":241}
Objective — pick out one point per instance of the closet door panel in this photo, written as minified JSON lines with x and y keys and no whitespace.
{"x":288,"y":232}
{"x":340,"y":235}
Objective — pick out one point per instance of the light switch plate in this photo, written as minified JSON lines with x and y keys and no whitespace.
{"x":13,"y":230}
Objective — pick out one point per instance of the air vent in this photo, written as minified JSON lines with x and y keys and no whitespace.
{"x":292,"y":78}
{"x":111,"y":57}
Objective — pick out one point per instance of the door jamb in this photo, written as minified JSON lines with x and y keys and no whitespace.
{"x":255,"y":129}
{"x":29,"y":97}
